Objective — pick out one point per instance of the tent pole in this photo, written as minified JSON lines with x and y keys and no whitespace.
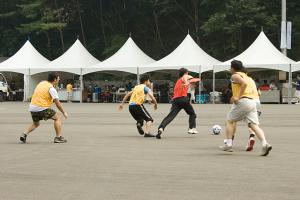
{"x":290,"y":85}
{"x":214,"y":84}
{"x":200,"y":82}
{"x":81,"y":85}
{"x":137,"y":75}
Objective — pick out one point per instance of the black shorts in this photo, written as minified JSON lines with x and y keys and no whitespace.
{"x":139,"y":113}
{"x":43,"y":115}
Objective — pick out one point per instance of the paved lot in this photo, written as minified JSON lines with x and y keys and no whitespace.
{"x":106,"y":159}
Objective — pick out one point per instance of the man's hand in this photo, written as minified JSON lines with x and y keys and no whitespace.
{"x":155,"y":106}
{"x":66,"y":115}
{"x":120,"y":107}
{"x":235,"y":100}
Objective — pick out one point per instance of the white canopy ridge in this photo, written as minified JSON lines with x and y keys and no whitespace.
{"x":127,"y":59}
{"x":188,"y":54}
{"x":24,"y":60}
{"x":73,"y":60}
{"x":260,"y":54}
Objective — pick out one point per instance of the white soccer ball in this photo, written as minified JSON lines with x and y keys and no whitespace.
{"x":216,"y":130}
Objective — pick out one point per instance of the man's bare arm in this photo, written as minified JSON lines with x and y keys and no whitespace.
{"x":60,"y":107}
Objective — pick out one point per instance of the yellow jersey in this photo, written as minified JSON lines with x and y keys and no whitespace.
{"x":250,"y":89}
{"x":138,"y":94}
{"x":41,"y":96}
{"x":69,"y":88}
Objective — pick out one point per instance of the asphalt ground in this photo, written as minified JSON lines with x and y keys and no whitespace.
{"x":105,"y":158}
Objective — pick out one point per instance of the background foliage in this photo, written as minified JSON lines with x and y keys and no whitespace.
{"x":223,"y":28}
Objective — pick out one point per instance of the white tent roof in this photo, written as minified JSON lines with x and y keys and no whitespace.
{"x":126,"y":59}
{"x":73,"y":60}
{"x":296,"y":67}
{"x":260,"y":54}
{"x":188,"y":54}
{"x":26,"y":58}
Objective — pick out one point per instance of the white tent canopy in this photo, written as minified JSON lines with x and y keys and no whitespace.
{"x":296,"y":67}
{"x":127,"y":59}
{"x":73,"y":60}
{"x":188,"y":54}
{"x":26,"y":59}
{"x":260,"y":54}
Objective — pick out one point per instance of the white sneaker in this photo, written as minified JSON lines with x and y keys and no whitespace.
{"x":226,"y":148}
{"x":192,"y":131}
{"x":266,"y":149}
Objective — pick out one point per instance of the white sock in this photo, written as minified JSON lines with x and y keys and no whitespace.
{"x":264,"y":142}
{"x":229,"y":142}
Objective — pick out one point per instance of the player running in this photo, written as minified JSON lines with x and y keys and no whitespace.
{"x":136,"y":107}
{"x":243,"y":108}
{"x":180,"y":101}
{"x":40,"y":107}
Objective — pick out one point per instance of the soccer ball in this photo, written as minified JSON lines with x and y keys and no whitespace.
{"x":216,"y":130}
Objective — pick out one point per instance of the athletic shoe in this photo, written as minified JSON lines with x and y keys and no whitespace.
{"x":192,"y":131}
{"x":60,"y":139}
{"x":250,"y":144}
{"x":160,"y":131}
{"x":226,"y":148}
{"x":23,"y":137}
{"x":140,"y":129}
{"x":149,"y":135}
{"x":266,"y":149}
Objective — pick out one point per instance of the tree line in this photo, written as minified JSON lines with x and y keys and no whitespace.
{"x":223,"y":28}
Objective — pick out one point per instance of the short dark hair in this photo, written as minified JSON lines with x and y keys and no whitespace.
{"x":237,"y":66}
{"x":52,"y":76}
{"x":182,"y":71}
{"x":144,"y":78}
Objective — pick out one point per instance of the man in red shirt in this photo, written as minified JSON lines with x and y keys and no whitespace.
{"x":180,"y":101}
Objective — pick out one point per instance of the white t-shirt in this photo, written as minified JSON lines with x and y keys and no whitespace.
{"x":34,"y":108}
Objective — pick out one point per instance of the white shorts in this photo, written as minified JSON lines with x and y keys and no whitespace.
{"x":297,"y":93}
{"x":246,"y":110}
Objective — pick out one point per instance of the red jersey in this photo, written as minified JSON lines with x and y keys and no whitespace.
{"x":180,"y":90}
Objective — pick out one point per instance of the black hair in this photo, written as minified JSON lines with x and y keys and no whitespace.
{"x":52,"y":76}
{"x":265,"y":81}
{"x":144,"y":78}
{"x":182,"y":71}
{"x":238,"y":66}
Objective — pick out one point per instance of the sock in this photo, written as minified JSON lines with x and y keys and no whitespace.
{"x":264,"y":142}
{"x":161,"y":129}
{"x":229,"y":142}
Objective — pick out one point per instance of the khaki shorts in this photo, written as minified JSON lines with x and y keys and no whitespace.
{"x":246,"y":110}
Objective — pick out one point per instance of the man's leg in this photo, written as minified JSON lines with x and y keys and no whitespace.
{"x":57,"y":124}
{"x":173,"y":113}
{"x":57,"y":127}
{"x":230,"y":132}
{"x":31,"y":128}
{"x":188,"y":108}
{"x":149,"y":121}
{"x":261,"y":136}
{"x":170,"y":117}
{"x":251,"y":140}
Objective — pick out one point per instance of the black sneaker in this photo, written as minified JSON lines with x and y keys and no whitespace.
{"x":149,"y":135}
{"x":60,"y":139}
{"x":140,"y":129}
{"x":23,"y":137}
{"x":158,"y":136}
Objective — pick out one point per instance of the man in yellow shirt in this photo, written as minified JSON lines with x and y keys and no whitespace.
{"x":69,"y":92}
{"x":243,"y":108}
{"x":40,"y":107}
{"x":136,"y":107}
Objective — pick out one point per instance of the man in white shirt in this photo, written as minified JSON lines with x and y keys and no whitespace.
{"x":40,"y":107}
